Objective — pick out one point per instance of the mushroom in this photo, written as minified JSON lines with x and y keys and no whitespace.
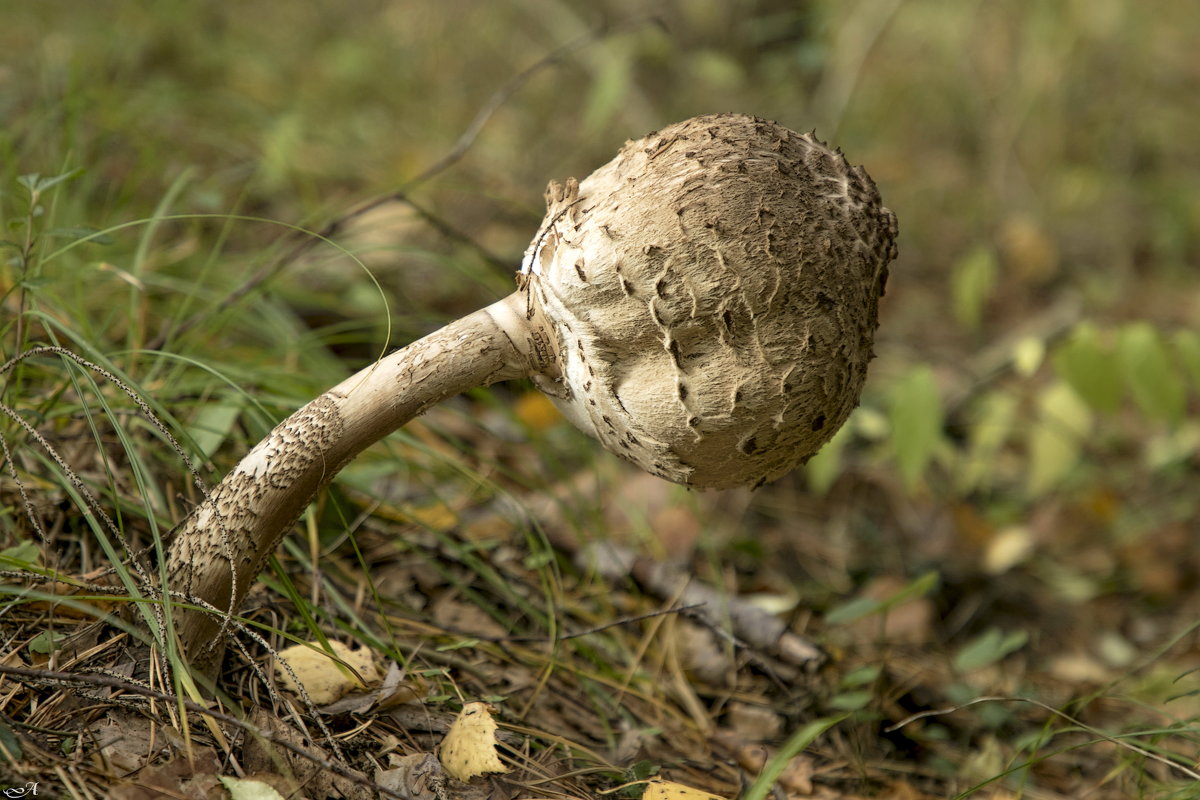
{"x":703,"y":305}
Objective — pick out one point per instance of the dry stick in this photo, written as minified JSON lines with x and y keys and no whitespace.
{"x":456,"y":153}
{"x":61,"y":678}
{"x":752,"y":626}
{"x":704,"y":305}
{"x":617,"y":623}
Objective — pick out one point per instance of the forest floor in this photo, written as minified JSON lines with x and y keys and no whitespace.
{"x":988,"y":585}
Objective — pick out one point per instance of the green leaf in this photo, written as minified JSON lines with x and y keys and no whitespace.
{"x":861,"y":607}
{"x":21,"y":556}
{"x":764,"y":783}
{"x":1028,"y":355}
{"x":36,"y":184}
{"x":1152,"y":378}
{"x":988,"y":648}
{"x":1056,"y":438}
{"x":641,"y":770}
{"x":825,"y":467}
{"x":860,"y":676}
{"x":993,"y":420}
{"x":78,"y":232}
{"x":10,"y":745}
{"x":214,"y":423}
{"x":916,"y":419}
{"x":459,"y":645}
{"x":42,"y":184}
{"x":1084,"y":363}
{"x":1187,"y":345}
{"x":46,"y":642}
{"x":971,"y":284}
{"x":852,"y":610}
{"x":851,"y":701}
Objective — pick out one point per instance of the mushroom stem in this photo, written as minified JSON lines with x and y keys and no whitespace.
{"x":222,"y":545}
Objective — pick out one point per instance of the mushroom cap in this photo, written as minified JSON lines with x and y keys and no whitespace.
{"x":714,"y":293}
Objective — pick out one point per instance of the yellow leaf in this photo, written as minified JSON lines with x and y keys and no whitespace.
{"x":248,"y":789}
{"x":436,"y":516}
{"x":1008,"y":548}
{"x":323,"y":679}
{"x":536,"y":411}
{"x":1028,"y":355}
{"x":1056,"y":438}
{"x":469,"y":748}
{"x":669,"y":790}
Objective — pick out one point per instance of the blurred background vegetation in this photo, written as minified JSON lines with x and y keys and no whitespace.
{"x":1030,"y":431}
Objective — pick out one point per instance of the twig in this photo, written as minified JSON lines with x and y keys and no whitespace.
{"x":589,"y":631}
{"x":53,"y":676}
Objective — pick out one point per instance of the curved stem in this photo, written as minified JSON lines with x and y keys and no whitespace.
{"x":222,"y":545}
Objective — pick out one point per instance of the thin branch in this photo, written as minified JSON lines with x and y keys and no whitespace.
{"x":597,"y":629}
{"x":66,"y":678}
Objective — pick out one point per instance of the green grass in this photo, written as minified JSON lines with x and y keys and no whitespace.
{"x":1029,"y":435}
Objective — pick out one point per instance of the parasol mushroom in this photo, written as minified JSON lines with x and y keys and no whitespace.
{"x":703,"y":305}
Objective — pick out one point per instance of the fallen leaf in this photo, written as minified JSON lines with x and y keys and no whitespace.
{"x":127,"y":741}
{"x":179,"y":777}
{"x":246,"y":789}
{"x":669,"y":790}
{"x":536,"y":411}
{"x":323,"y":679}
{"x":418,"y":776}
{"x":1008,"y":548}
{"x":755,"y":723}
{"x":397,"y":688}
{"x":469,"y":748}
{"x":264,"y":758}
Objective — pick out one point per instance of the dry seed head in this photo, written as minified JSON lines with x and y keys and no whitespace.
{"x":712,"y":294}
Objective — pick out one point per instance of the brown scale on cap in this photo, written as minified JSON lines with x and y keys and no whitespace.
{"x":714,"y":294}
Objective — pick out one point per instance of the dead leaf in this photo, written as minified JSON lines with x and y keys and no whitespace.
{"x":418,"y":776}
{"x":394,"y":691}
{"x":1027,"y":248}
{"x":128,"y":741}
{"x":469,"y":748}
{"x":755,"y":723}
{"x":1008,"y":548}
{"x":189,"y":779}
{"x":910,"y":622}
{"x":669,"y":790}
{"x":263,"y":758}
{"x":249,"y":789}
{"x":323,"y":678}
{"x":455,"y":613}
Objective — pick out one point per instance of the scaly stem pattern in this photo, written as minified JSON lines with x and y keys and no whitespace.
{"x":225,"y":541}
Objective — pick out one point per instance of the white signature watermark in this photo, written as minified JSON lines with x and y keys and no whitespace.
{"x":28,"y":790}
